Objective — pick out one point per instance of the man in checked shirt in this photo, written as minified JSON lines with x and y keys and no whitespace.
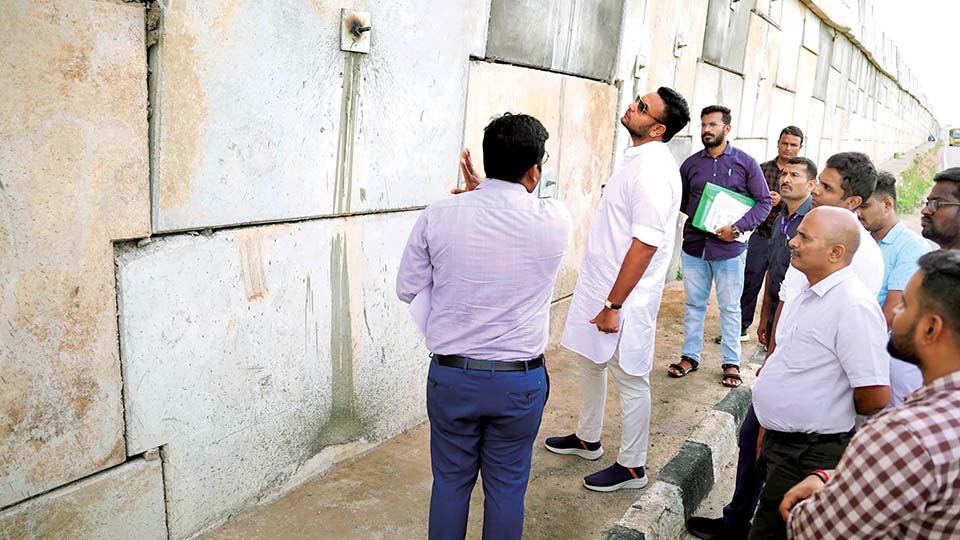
{"x":900,"y":476}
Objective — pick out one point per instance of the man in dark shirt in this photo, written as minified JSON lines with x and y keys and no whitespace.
{"x":796,"y":184}
{"x":788,"y":146}
{"x":717,"y":256}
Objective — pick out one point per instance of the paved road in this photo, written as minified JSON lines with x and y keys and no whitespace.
{"x":951,"y":157}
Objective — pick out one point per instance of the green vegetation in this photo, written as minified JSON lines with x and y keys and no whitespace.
{"x":916,"y":181}
{"x":897,"y":155}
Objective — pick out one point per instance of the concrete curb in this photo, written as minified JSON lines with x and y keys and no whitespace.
{"x":688,"y":477}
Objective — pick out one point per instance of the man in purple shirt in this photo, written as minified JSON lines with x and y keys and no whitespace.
{"x":718,"y":257}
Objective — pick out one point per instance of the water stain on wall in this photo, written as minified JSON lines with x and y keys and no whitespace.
{"x":182,"y":111}
{"x":251,"y":265}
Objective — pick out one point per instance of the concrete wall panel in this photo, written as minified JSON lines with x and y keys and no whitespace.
{"x":581,"y":117}
{"x":121,"y":503}
{"x":814,"y":121}
{"x":588,"y":119}
{"x":706,"y":92}
{"x":811,"y":31}
{"x":753,"y":69}
{"x":73,"y":177}
{"x":781,"y":115}
{"x":791,"y":38}
{"x":806,"y":75}
{"x":241,"y":83}
{"x":249,"y":351}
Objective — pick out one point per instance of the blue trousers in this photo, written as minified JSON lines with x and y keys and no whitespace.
{"x":754,"y":273}
{"x":746,"y":495}
{"x":482,"y":422}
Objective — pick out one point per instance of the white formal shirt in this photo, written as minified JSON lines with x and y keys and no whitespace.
{"x":867,"y":264}
{"x":489,"y":260}
{"x":831,"y":338}
{"x":642,"y":201}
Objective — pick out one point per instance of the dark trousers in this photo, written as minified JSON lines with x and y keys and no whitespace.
{"x":739,"y":512}
{"x":753,"y":275}
{"x":486,"y":422}
{"x":786,"y":460}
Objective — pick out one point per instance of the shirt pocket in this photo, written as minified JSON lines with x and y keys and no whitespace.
{"x":803,"y":347}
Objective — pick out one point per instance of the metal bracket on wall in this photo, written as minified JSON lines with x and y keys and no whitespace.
{"x":679,"y":43}
{"x":355,"y":31}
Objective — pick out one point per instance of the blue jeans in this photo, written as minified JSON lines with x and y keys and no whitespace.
{"x":698,"y":278}
{"x":486,"y":422}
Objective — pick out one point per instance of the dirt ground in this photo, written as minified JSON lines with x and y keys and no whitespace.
{"x":385,"y":493}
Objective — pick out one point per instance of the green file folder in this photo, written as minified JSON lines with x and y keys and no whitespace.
{"x":710,"y":192}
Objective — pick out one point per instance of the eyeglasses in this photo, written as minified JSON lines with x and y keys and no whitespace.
{"x":546,"y":157}
{"x":712,"y":125}
{"x":934,"y":204}
{"x":645,"y":109}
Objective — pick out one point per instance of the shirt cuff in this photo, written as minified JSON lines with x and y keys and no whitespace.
{"x":647,"y":235}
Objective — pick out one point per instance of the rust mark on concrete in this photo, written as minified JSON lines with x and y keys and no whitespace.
{"x":180,"y":92}
{"x":74,"y":61}
{"x":251,"y":265}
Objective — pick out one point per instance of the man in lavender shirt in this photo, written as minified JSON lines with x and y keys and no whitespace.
{"x":718,"y":257}
{"x":487,"y":261}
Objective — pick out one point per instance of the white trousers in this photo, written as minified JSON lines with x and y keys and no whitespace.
{"x":634,"y":403}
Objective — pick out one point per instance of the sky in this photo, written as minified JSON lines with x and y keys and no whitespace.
{"x":928,"y":36}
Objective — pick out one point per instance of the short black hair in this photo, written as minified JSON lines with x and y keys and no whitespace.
{"x":512,"y":143}
{"x":949,"y":175}
{"x":857,"y":171}
{"x":886,"y":185}
{"x":941,"y":286}
{"x":710,"y":109}
{"x":811,"y":166}
{"x":792,"y":130}
{"x":675,"y":111}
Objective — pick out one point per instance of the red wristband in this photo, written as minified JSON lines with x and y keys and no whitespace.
{"x":822,"y":475}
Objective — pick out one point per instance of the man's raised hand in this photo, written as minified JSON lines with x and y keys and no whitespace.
{"x":471,"y":179}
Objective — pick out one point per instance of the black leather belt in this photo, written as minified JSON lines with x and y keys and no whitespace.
{"x":808,"y":438}
{"x":457,"y":361}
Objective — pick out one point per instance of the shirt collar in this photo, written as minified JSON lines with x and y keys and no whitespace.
{"x":726,"y":151}
{"x":632,"y":151}
{"x":824,"y":285}
{"x":803,"y":210}
{"x":947,"y":382}
{"x":494,"y":183}
{"x":893,"y":234}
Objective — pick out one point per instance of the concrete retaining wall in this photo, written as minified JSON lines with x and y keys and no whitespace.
{"x":275,"y":178}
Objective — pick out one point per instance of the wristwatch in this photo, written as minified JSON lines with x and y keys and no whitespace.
{"x":736,"y":232}
{"x":610,"y":305}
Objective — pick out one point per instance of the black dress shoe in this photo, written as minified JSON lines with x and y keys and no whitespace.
{"x":708,"y":528}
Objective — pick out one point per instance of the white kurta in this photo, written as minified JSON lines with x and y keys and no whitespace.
{"x":641,"y":200}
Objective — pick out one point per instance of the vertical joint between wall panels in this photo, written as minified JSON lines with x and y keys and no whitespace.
{"x":154,"y":35}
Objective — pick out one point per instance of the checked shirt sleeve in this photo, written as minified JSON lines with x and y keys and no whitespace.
{"x":883,"y":478}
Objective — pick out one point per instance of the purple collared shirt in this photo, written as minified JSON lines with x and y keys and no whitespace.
{"x":736,"y":170}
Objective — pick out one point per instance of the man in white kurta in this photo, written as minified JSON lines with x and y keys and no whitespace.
{"x":613,"y":314}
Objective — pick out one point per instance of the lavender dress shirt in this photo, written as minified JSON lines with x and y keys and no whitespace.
{"x":490,"y":258}
{"x":736,"y":170}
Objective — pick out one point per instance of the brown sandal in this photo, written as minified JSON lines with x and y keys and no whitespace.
{"x":731,"y":376}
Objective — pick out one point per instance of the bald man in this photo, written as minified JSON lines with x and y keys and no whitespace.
{"x":829,"y":365}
